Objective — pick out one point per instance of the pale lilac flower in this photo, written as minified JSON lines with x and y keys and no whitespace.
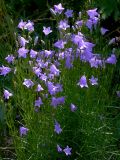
{"x":43,"y":77}
{"x":38,"y":102}
{"x":7,"y":94}
{"x":58,"y":8}
{"x":79,"y":23}
{"x":22,"y":41}
{"x":48,"y":53}
{"x":37,"y":71}
{"x":59,"y":149}
{"x":73,"y":107}
{"x":89,"y":24}
{"x":103,"y":30}
{"x":67,"y":151}
{"x":23,"y":131}
{"x":92,"y":13}
{"x":28,"y":83}
{"x":93,"y":81}
{"x":54,"y":70}
{"x":47,"y":30}
{"x":21,"y":24}
{"x":10,"y":58}
{"x":29,"y":26}
{"x":63,"y":24}
{"x":39,"y":88}
{"x":60,"y":44}
{"x":112,"y":59}
{"x":33,"y":53}
{"x":69,"y":13}
{"x":22,"y":52}
{"x":83,"y":82}
{"x":4,"y":70}
{"x":57,"y":101}
{"x":57,"y":129}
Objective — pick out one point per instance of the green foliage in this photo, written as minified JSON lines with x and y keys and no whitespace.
{"x":109,"y":8}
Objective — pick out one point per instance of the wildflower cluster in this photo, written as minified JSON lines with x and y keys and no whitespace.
{"x":45,"y":64}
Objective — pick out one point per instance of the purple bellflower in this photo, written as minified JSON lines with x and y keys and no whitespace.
{"x":38,"y":102}
{"x":112,"y":59}
{"x":4,"y":70}
{"x":67,"y":151}
{"x":22,"y":52}
{"x":57,"y":128}
{"x":93,"y":81}
{"x":59,"y":149}
{"x":28,"y":83}
{"x":73,"y":107}
{"x":69,"y":13}
{"x":46,"y":30}
{"x":10,"y":58}
{"x":58,"y":8}
{"x":7,"y":94}
{"x":83,"y":82}
{"x":63,"y":24}
{"x":23,"y":131}
{"x":21,"y":24}
{"x":60,"y":44}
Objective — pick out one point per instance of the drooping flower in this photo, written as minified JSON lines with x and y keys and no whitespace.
{"x":57,"y":101}
{"x":22,"y":52}
{"x":21,"y":24}
{"x":57,"y":128}
{"x":73,"y":107}
{"x":58,"y":8}
{"x":59,"y":149}
{"x":22,"y":41}
{"x":92,"y":13}
{"x":54,"y":70}
{"x":93,"y":81}
{"x":69,"y":13}
{"x":23,"y":131}
{"x":60,"y":44}
{"x":103,"y":30}
{"x":10,"y":58}
{"x":29,"y":26}
{"x":46,"y":30}
{"x":28,"y":83}
{"x":63,"y":24}
{"x":39,"y":88}
{"x":112,"y":59}
{"x":33,"y":53}
{"x":67,"y":151}
{"x":7,"y":94}
{"x":38,"y":102}
{"x":4,"y":70}
{"x":83,"y":82}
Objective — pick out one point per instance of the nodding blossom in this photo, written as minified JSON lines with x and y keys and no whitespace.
{"x":28,"y":83}
{"x":69,"y":13}
{"x":23,"y":131}
{"x":93,"y":81}
{"x":73,"y":107}
{"x":29,"y":26}
{"x":103,"y":30}
{"x":59,"y":149}
{"x":57,"y":129}
{"x":63,"y":24}
{"x":58,"y":8}
{"x":67,"y":151}
{"x":22,"y":52}
{"x":10,"y":58}
{"x":38,"y":102}
{"x":46,"y":30}
{"x":7,"y":94}
{"x":83,"y":82}
{"x":21,"y":24}
{"x":112,"y":59}
{"x":4,"y":70}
